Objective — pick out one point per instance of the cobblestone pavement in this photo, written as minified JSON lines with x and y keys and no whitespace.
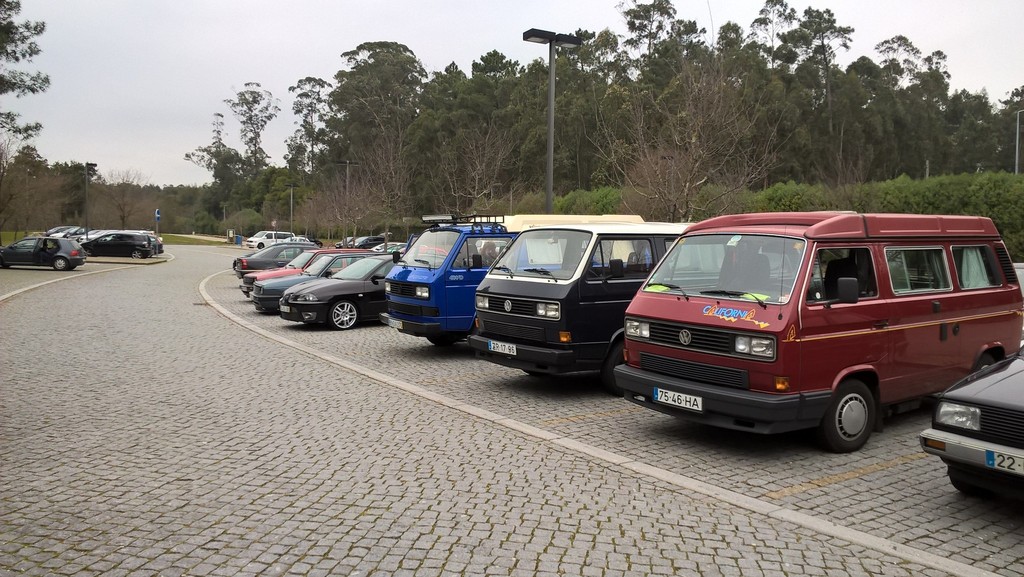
{"x":151,"y":423}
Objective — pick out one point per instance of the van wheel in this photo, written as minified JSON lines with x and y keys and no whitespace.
{"x":613,"y":360}
{"x":61,"y":263}
{"x":983,"y":361}
{"x":849,"y":418}
{"x":260,"y":245}
{"x":137,"y":253}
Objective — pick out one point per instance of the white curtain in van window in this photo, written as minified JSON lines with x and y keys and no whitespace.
{"x":973,"y":274}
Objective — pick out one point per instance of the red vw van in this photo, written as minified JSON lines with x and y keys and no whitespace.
{"x":776,"y":322}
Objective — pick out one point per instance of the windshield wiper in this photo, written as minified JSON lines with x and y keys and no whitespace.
{"x":542,"y":271}
{"x":737,"y":294}
{"x":670,"y":286}
{"x":505,"y":269}
{"x":420,"y":260}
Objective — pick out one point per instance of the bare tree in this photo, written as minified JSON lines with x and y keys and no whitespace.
{"x":470,"y":167}
{"x":123,"y":191}
{"x":690,"y":150}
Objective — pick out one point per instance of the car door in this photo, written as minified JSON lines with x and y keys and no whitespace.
{"x":373,"y":293}
{"x":21,"y":252}
{"x":285,"y":255}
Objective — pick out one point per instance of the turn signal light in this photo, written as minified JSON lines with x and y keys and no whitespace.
{"x":781,"y":384}
{"x":937,"y":445}
{"x":564,"y":337}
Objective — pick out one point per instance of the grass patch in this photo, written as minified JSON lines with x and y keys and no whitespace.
{"x":189,"y":239}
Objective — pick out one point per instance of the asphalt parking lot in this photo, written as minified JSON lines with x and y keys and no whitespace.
{"x":232,"y":442}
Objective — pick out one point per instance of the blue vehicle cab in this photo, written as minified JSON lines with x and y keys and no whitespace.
{"x":430,"y":292}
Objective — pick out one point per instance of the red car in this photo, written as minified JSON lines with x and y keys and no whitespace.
{"x":294,"y":266}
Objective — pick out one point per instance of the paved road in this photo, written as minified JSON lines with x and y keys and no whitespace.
{"x":151,"y":423}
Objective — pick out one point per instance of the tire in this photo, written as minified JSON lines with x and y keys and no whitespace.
{"x":87,"y":252}
{"x":849,"y":418}
{"x":260,"y":245}
{"x":136,"y":253}
{"x":967,"y":488}
{"x":444,"y":340}
{"x":343,"y":315}
{"x":61,"y":263}
{"x":613,"y":360}
{"x":983,"y":361}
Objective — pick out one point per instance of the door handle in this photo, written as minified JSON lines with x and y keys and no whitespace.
{"x":881,"y":324}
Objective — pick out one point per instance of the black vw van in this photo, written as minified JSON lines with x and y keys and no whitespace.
{"x":555,"y":299}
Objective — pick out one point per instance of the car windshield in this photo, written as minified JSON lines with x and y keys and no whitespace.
{"x":319,"y":264}
{"x":742,"y":266}
{"x":358,"y":269}
{"x":431,"y":248}
{"x":300,"y":260}
{"x":546,"y":253}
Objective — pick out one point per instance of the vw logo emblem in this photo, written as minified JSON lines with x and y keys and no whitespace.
{"x":508,"y":306}
{"x":685,"y":337}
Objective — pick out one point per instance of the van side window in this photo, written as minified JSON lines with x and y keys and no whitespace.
{"x":975,"y":267}
{"x":917,"y":269}
{"x":831,"y":264}
{"x":637,"y":256}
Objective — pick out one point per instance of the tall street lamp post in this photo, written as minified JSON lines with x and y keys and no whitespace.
{"x":1016,"y":157}
{"x":291,"y":206}
{"x":552,"y":39}
{"x":88,"y":165}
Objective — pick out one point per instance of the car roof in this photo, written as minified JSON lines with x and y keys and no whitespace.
{"x":619,"y":227}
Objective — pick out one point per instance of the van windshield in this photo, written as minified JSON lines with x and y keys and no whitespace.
{"x":742,"y":266}
{"x":431,"y":248}
{"x":551,"y":254}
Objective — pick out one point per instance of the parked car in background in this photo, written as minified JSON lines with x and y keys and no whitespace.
{"x":307,"y":238}
{"x":294,"y":267}
{"x":59,"y":253}
{"x":266,"y":238}
{"x":127,"y":244}
{"x":70,"y":232}
{"x":92,"y":234}
{"x":353,"y":295}
{"x":389,"y":247}
{"x":368,"y":241}
{"x":977,"y":431}
{"x":273,"y":256}
{"x":59,"y":229}
{"x":266,"y":294}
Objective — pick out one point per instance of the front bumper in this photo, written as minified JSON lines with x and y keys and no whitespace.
{"x":303,"y":312}
{"x":532,"y":358}
{"x":971,"y":460}
{"x":266,"y":302}
{"x":414,"y":328}
{"x":726,"y":407}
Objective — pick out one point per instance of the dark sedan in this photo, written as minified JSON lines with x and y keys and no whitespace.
{"x":119,"y":243}
{"x":59,"y":253}
{"x":355,"y":294}
{"x":978,"y":431}
{"x":266,"y":294}
{"x":274,"y":256}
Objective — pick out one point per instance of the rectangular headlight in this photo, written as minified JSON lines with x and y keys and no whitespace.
{"x":387,"y":287}
{"x":638,"y":329}
{"x":481,"y":302}
{"x":956,"y":415}
{"x":547,"y":310}
{"x":756,"y":346}
{"x":423,"y":292}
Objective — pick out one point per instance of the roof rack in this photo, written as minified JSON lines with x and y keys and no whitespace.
{"x":479,"y":222}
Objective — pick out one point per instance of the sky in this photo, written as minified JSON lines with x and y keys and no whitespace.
{"x":135,"y":83}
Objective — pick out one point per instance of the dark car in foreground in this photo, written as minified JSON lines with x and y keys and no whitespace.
{"x":354,"y":294}
{"x":127,"y":244}
{"x":266,"y":294}
{"x":274,"y":256}
{"x":59,"y":253}
{"x":978,"y":431}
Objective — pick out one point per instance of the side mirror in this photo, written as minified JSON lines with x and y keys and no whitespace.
{"x":395,"y":257}
{"x":477,"y":261}
{"x":847,"y":289}
{"x":375,"y":279}
{"x":617,"y":269}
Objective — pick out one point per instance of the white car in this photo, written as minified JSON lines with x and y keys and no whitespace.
{"x":265,"y":238}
